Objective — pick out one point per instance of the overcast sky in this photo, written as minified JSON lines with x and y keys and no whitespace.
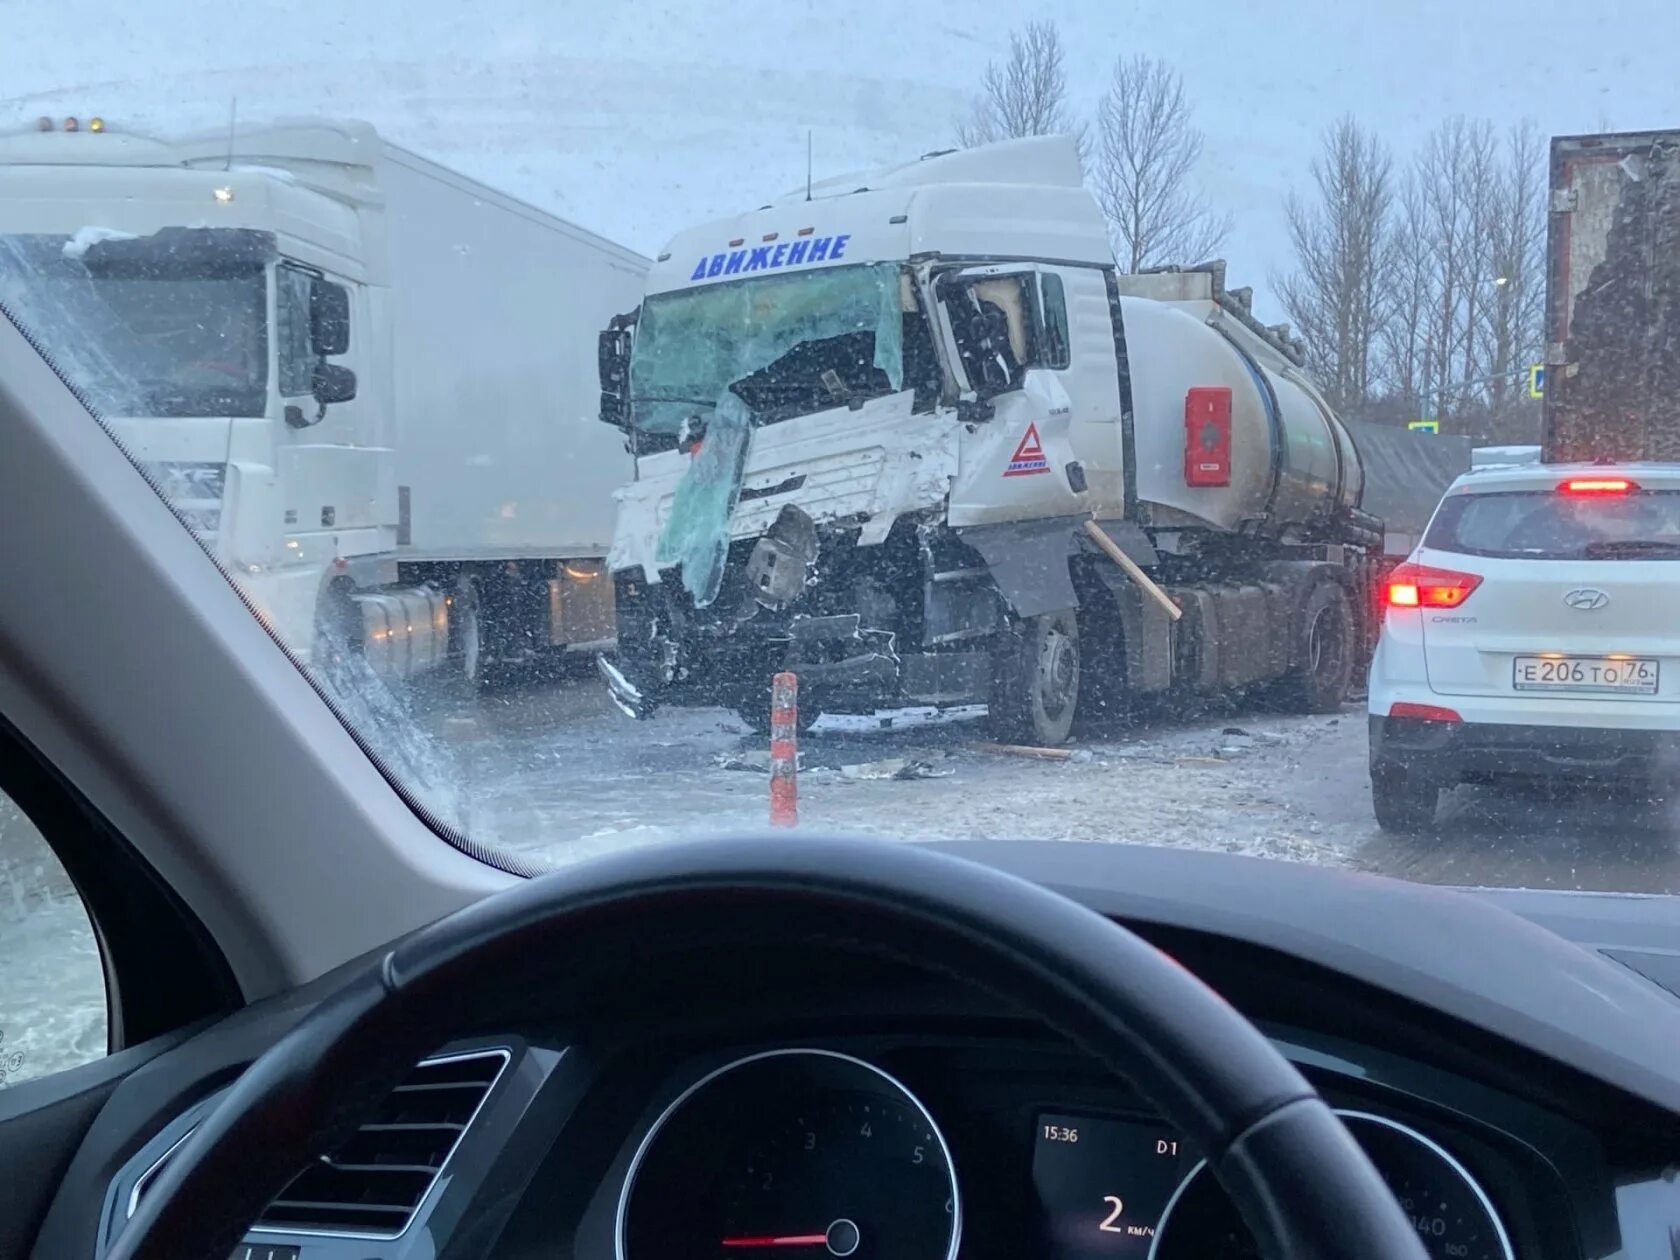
{"x":635,"y":118}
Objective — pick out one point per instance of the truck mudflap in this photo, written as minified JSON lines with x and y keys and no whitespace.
{"x":1029,"y":559}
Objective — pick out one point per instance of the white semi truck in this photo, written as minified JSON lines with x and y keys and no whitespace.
{"x":911,"y":435}
{"x":366,"y":381}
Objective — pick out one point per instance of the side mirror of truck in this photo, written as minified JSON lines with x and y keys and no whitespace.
{"x":333,"y":384}
{"x":329,"y":317}
{"x":614,"y":359}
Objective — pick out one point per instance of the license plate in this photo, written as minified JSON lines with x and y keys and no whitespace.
{"x":1622,"y":677}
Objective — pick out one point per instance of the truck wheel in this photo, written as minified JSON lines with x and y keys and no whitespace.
{"x":468,"y":629}
{"x":1325,"y":650}
{"x":1403,"y":802}
{"x":1035,"y":680}
{"x":336,"y":637}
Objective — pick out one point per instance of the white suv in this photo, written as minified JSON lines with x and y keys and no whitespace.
{"x":1534,"y":633}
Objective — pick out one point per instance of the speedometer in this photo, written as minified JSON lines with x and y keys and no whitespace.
{"x":1450,"y":1211}
{"x":792,"y":1155}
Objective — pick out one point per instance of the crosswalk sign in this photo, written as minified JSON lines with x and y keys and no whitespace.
{"x":1537,"y":380}
{"x":1424,"y":426}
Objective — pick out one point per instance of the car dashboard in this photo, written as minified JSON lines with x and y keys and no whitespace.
{"x":814,"y":1105}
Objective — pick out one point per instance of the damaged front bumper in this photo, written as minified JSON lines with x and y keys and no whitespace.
{"x":908,"y":620}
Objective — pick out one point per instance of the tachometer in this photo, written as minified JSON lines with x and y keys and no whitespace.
{"x":792,"y":1155}
{"x":1449,"y":1210}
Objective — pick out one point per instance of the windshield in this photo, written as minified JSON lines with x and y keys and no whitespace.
{"x":784,"y":344}
{"x":1045,"y":398}
{"x":147,"y":336}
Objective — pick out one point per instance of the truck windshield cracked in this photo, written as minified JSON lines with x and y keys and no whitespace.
{"x":771,"y":341}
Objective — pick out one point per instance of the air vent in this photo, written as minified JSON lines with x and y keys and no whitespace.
{"x":374,"y":1184}
{"x":144,"y":1182}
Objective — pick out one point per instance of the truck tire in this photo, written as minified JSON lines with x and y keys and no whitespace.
{"x":468,"y":631}
{"x":1035,"y":681}
{"x":469,"y":638}
{"x":1324,"y":650}
{"x":337,"y":637}
{"x":1403,"y":801}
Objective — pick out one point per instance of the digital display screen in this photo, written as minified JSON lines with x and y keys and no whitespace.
{"x":1103,"y":1184}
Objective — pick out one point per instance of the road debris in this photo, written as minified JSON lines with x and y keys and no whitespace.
{"x":753,"y":760}
{"x":892,"y":768}
{"x":1024,"y":750}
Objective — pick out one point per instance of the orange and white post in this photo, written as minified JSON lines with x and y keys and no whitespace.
{"x":784,"y":750}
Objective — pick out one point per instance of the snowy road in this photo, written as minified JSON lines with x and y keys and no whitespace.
{"x":567,"y":775}
{"x":554,"y":773}
{"x":557,"y":773}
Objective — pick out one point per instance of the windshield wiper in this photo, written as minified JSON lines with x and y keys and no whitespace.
{"x":1611,"y":549}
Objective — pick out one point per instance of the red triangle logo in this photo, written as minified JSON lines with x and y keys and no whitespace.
{"x":1029,"y":457}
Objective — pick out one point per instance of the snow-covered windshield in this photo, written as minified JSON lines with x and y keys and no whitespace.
{"x":147,"y":335}
{"x":785,"y":344}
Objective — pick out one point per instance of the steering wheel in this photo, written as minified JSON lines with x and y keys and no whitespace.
{"x":1301,"y":1182}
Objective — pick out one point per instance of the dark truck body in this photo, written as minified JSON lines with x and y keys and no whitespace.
{"x":1612,"y":388}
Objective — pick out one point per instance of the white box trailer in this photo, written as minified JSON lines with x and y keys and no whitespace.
{"x":499,"y":451}
{"x":368,"y":382}
{"x":504,"y":473}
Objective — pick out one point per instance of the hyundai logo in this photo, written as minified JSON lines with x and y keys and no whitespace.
{"x":1586,"y":599}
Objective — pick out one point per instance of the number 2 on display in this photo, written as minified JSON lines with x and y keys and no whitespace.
{"x":1108,"y":1226}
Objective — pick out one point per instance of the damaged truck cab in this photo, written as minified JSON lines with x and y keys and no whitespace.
{"x":871,"y":423}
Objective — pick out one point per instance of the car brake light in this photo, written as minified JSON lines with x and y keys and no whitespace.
{"x":1425,"y":712}
{"x":1597,"y":485}
{"x":1422,"y":586}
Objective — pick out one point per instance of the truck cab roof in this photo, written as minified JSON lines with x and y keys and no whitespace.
{"x":1014,"y":199}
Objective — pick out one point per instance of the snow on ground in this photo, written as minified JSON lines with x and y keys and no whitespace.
{"x":596,"y":781}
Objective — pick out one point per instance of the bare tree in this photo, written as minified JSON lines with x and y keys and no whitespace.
{"x":1146,"y":150}
{"x":1514,"y":237}
{"x":1403,"y":339}
{"x":1026,"y":95}
{"x":1336,"y":296}
{"x":1442,"y":277}
{"x":1464,"y":281}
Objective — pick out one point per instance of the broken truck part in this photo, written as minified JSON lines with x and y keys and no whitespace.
{"x":975,"y":464}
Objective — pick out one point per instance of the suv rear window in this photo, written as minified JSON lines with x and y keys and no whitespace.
{"x":1549,"y":525}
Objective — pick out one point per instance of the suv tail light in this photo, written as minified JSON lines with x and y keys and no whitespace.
{"x":1423,"y":586}
{"x":1597,"y":485}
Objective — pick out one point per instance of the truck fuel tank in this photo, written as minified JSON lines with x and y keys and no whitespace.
{"x":1200,"y":367}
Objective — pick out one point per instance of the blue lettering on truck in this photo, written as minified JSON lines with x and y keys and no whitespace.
{"x":763,"y":258}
